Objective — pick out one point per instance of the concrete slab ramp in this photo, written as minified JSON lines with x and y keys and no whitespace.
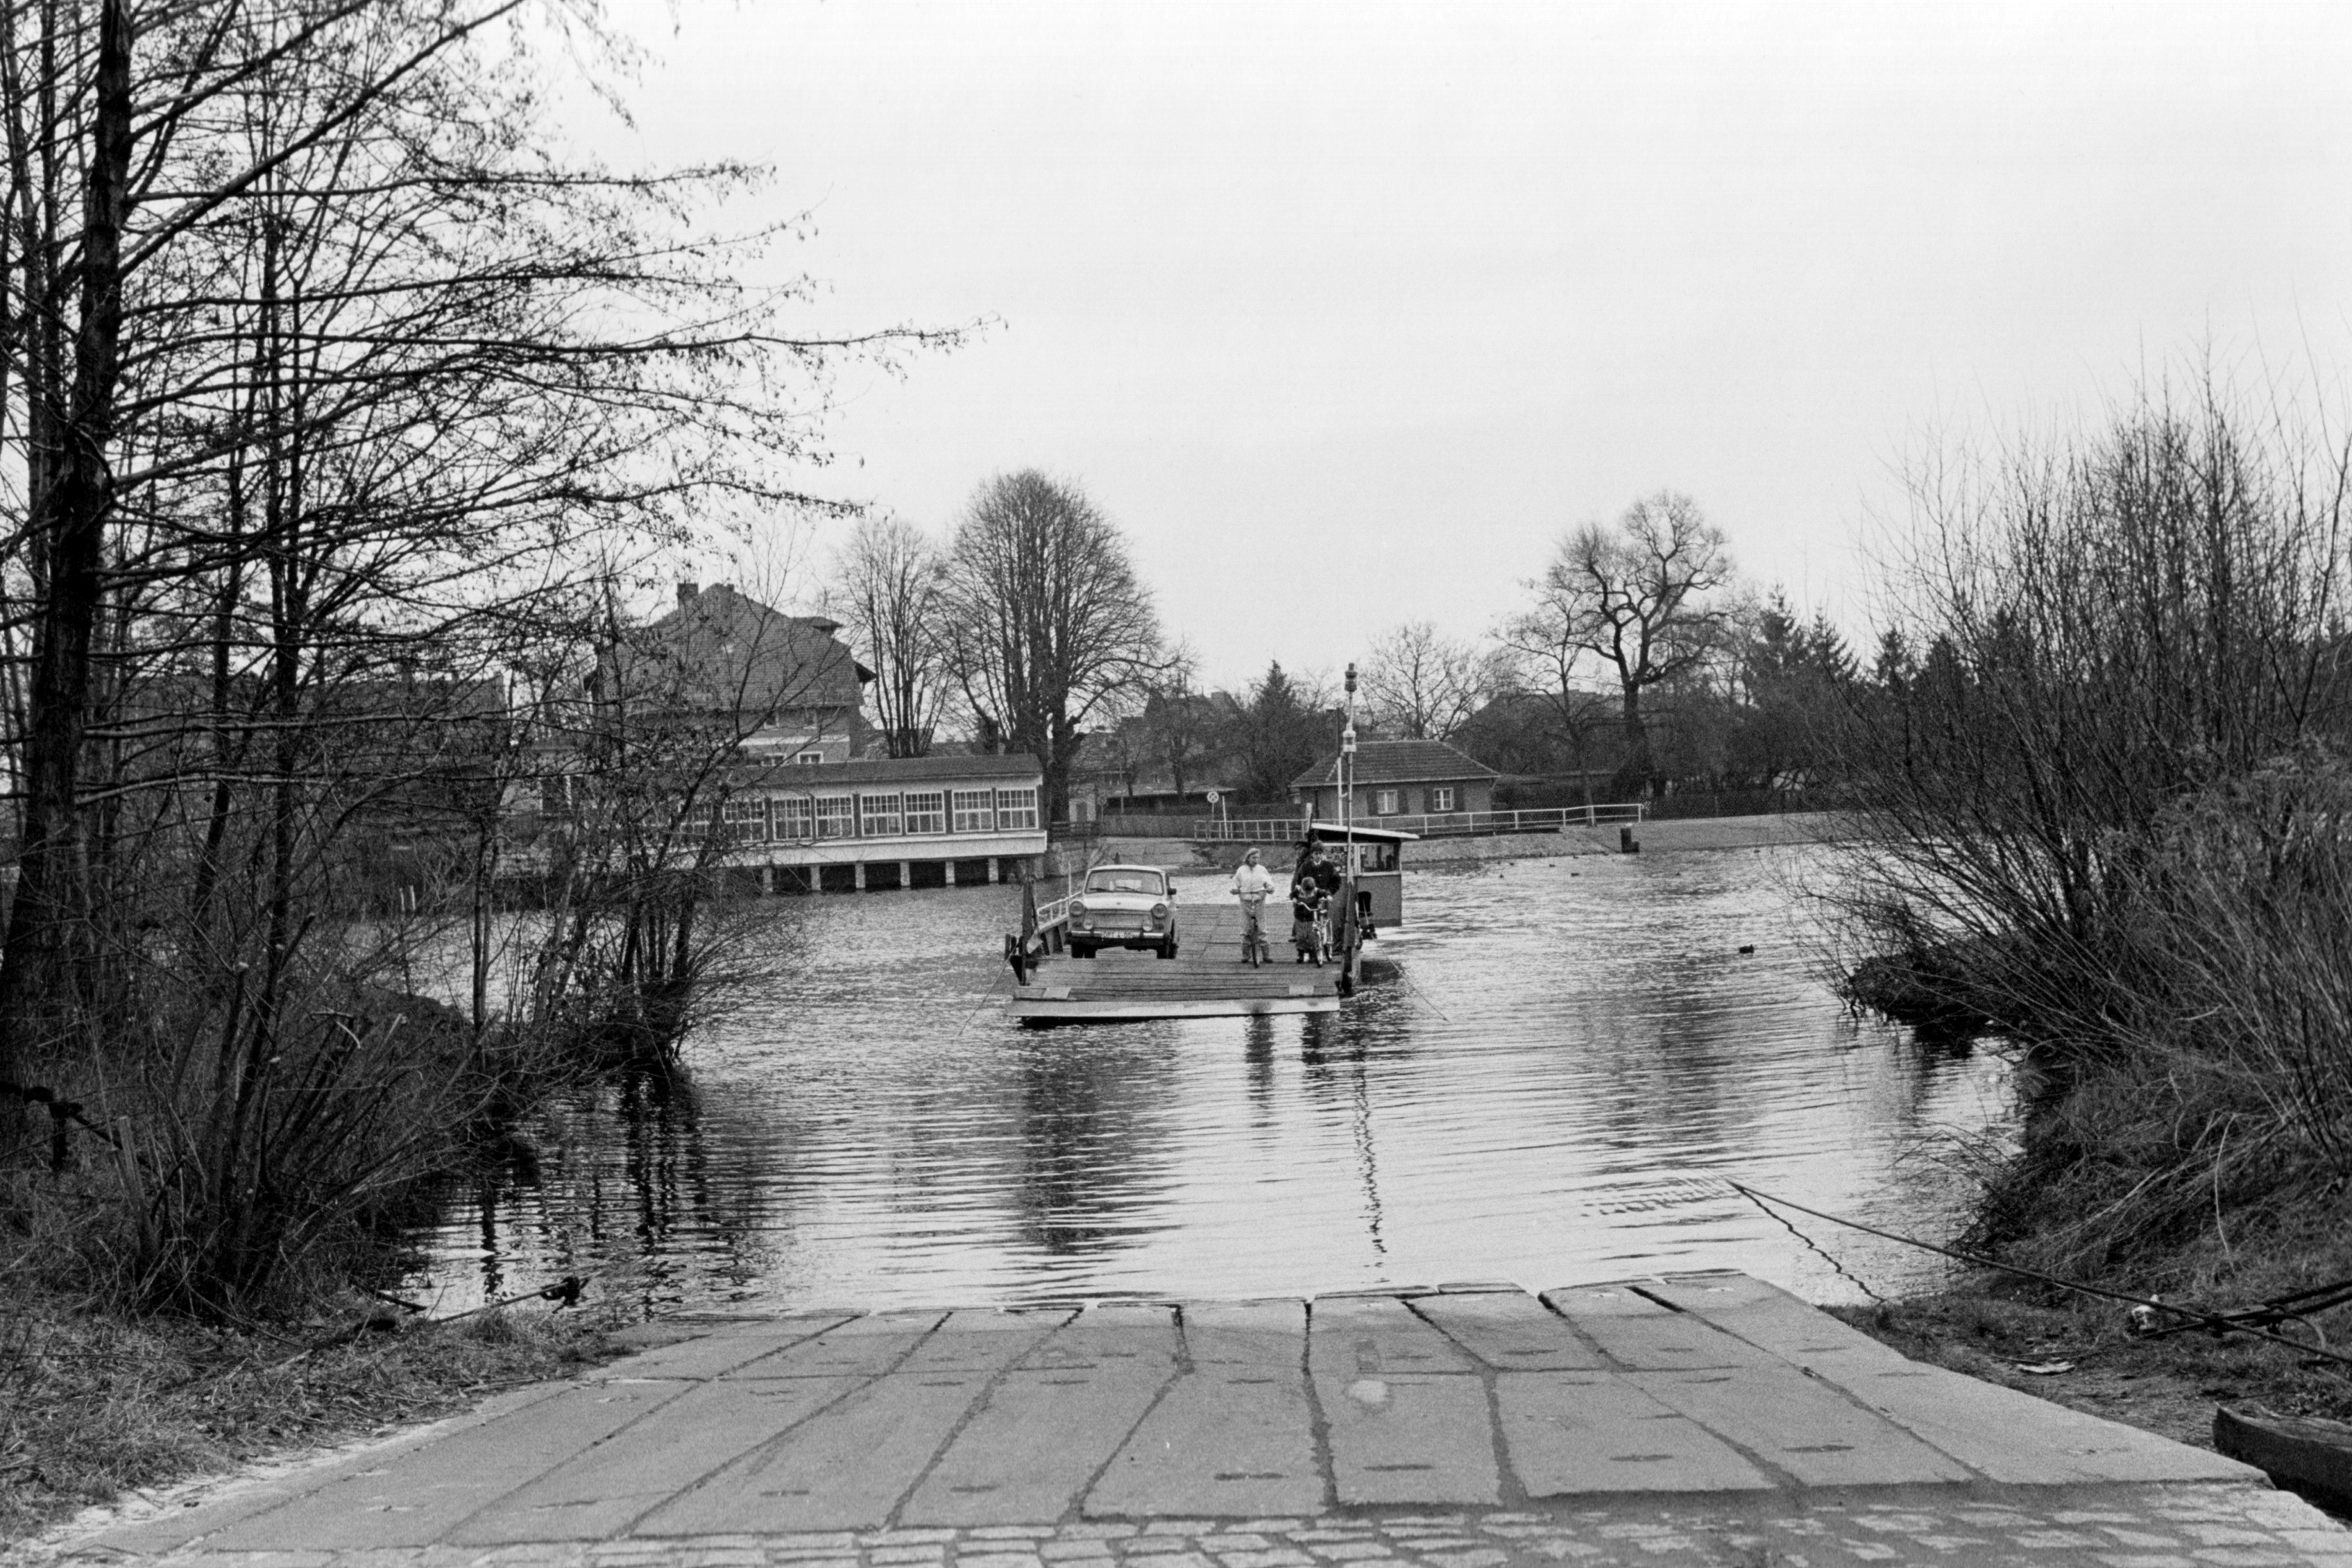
{"x":1702,"y":1417}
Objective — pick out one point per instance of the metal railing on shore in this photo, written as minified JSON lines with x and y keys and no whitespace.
{"x":1425,"y":824}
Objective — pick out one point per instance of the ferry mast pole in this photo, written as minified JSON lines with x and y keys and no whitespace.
{"x":1348,"y":825}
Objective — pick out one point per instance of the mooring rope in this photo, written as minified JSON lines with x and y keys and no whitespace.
{"x":1816,"y":1247}
{"x":2219,"y":1323}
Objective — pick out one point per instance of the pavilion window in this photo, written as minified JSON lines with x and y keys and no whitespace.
{"x":927,"y":812}
{"x":836,"y":817}
{"x":975,"y":811}
{"x":746,"y":819}
{"x":1016,"y":809}
{"x":879,"y":817}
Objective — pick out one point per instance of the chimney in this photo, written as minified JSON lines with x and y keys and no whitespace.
{"x":685,"y":592}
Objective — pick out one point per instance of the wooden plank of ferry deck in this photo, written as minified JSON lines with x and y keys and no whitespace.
{"x":1234,"y":1435}
{"x":1206,"y":978}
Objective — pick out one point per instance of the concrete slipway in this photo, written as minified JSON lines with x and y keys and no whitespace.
{"x":1696,"y":1418}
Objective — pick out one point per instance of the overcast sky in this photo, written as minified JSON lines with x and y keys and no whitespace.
{"x":1345,"y":312}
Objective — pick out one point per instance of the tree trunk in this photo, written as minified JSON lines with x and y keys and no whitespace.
{"x":1638,"y":769}
{"x":68,"y":524}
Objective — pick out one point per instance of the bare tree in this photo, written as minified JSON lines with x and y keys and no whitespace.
{"x":1182,"y":725}
{"x":327,"y":391}
{"x":1639,"y":599}
{"x":1422,"y":683}
{"x":1047,"y":625}
{"x":889,"y":585}
{"x":1567,"y":714}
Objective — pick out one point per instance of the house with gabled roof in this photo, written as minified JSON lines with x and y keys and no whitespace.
{"x":792,"y":690}
{"x":1399,"y":778}
{"x":764,"y":710}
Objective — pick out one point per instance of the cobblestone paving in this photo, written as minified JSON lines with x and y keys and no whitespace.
{"x":2179,"y":1526}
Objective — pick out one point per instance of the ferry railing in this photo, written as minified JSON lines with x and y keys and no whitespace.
{"x":1424,"y":825}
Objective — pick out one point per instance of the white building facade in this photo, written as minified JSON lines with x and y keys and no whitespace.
{"x":883,"y":822}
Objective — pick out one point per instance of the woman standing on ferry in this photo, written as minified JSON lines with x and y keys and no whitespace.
{"x":1252,"y":885}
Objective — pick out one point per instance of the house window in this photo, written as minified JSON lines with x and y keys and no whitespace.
{"x":927,"y":813}
{"x":1016,"y":809}
{"x":796,"y":818}
{"x":975,"y":811}
{"x":554,"y":798}
{"x":1440,"y":797}
{"x":1384,"y":802}
{"x":808,"y":757}
{"x":747,"y":820}
{"x":695,"y":825}
{"x":878,"y":816}
{"x":836,"y":817}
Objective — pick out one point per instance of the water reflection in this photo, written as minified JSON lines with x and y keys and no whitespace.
{"x":1570,"y":1058}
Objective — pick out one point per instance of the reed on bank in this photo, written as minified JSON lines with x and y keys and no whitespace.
{"x":2107,"y":766}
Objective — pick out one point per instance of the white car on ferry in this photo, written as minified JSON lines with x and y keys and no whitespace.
{"x":1124,"y":906}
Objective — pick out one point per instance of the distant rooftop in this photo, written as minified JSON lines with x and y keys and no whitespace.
{"x":1017,"y":766}
{"x":1398,"y":762}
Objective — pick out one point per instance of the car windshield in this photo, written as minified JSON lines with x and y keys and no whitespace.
{"x":1126,"y":882}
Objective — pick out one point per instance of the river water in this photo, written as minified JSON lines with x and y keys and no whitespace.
{"x":1571,"y":1059}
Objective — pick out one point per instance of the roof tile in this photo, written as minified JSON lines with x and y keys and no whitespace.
{"x":1399,"y":761}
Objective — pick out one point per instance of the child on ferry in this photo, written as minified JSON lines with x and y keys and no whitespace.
{"x":1306,"y":904}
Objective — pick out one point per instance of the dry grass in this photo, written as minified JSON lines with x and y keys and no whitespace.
{"x":2168,"y":1386}
{"x":93,"y":1405}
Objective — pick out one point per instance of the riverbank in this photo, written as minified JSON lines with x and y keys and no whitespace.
{"x":2081,"y":1357}
{"x":97,"y":1407}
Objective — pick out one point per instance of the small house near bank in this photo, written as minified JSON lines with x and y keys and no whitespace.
{"x":1399,"y":778}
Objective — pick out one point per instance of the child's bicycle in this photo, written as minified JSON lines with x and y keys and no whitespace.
{"x":1255,"y":949}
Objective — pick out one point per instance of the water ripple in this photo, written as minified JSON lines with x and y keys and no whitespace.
{"x":1572,"y":1057}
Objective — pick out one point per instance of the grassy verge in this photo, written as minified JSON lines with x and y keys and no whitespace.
{"x":93,"y":1405}
{"x":2168,"y":1386}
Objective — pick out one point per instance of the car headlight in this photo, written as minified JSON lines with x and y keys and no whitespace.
{"x":1077,"y":908}
{"x":1159,"y":913}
